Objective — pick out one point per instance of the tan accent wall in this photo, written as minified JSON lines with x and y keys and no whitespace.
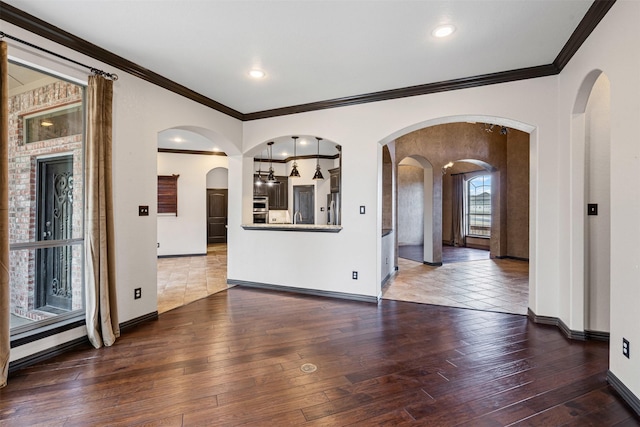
{"x":387,"y":189}
{"x":410,"y":205}
{"x":518,"y":194}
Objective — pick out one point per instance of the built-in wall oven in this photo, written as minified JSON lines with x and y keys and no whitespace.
{"x":260,"y":209}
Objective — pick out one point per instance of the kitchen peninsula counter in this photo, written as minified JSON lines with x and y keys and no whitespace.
{"x":294,"y":227}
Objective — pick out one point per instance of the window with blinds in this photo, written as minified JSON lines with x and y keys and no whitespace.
{"x":168,"y":194}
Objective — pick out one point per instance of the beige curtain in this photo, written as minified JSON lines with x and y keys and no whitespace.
{"x":4,"y":219}
{"x":102,"y":317}
{"x":457,"y":218}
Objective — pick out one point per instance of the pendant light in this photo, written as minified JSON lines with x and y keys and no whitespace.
{"x":318,"y":174}
{"x":294,"y":169}
{"x":259,"y":179}
{"x":271,"y":179}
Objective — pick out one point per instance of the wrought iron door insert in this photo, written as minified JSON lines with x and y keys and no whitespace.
{"x":54,"y":223}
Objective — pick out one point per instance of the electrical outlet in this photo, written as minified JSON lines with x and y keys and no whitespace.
{"x":143,"y":210}
{"x":354,"y":275}
{"x":625,"y":348}
{"x":137,"y":293}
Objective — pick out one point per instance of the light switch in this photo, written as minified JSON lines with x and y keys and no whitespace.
{"x":362,"y":210}
{"x":592,"y":209}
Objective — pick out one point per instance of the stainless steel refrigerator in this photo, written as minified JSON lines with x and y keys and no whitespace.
{"x":333,"y":208}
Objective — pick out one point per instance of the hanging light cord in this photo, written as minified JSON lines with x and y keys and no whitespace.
{"x":95,"y":71}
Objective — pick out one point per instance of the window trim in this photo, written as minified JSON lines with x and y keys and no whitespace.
{"x":36,"y":330}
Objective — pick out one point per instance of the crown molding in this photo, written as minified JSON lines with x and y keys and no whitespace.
{"x":589,"y":22}
{"x":592,"y":18}
{"x":444,"y":86}
{"x":42,"y":28}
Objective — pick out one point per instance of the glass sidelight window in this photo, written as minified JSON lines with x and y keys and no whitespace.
{"x":46,"y":203}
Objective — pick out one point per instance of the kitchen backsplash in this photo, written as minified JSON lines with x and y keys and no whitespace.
{"x":279,"y":217}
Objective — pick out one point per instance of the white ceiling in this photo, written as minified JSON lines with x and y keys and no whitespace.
{"x":316,"y":50}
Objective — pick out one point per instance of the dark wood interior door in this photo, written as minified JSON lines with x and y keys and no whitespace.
{"x":54,"y":222}
{"x":303,"y":204}
{"x":217,"y":215}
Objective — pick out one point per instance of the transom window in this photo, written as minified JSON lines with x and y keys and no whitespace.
{"x":57,"y":122}
{"x":478,"y":210}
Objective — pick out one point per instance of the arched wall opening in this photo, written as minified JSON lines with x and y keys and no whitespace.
{"x":590,"y":208}
{"x":515,"y":192}
{"x":310,"y":196}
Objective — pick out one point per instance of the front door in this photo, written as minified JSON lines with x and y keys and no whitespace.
{"x":217,"y":215}
{"x":303,"y":204}
{"x":54,"y":223}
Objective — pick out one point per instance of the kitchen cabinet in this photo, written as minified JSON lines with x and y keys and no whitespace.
{"x":277,"y":193}
{"x":335,"y":180}
{"x":259,"y":190}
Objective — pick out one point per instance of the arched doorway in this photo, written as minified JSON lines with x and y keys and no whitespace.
{"x":475,"y":148}
{"x":188,"y":267}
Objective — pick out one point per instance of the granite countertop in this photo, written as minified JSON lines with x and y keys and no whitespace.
{"x":294,"y":227}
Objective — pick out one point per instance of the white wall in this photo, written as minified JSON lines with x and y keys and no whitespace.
{"x":361,"y":130}
{"x":613,"y":48}
{"x":218,"y":178}
{"x":598,"y":186}
{"x":186,"y":233}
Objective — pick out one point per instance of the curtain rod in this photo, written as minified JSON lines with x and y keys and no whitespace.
{"x":95,"y":71}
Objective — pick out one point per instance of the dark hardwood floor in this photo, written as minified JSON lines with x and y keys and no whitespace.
{"x":236,"y":358}
{"x":450,"y":254}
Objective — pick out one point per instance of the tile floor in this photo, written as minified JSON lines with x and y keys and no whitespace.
{"x":182,"y":280}
{"x":490,"y":285}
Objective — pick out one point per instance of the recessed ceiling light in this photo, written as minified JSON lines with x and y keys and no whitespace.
{"x":443,"y":31}
{"x":256,"y":74}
